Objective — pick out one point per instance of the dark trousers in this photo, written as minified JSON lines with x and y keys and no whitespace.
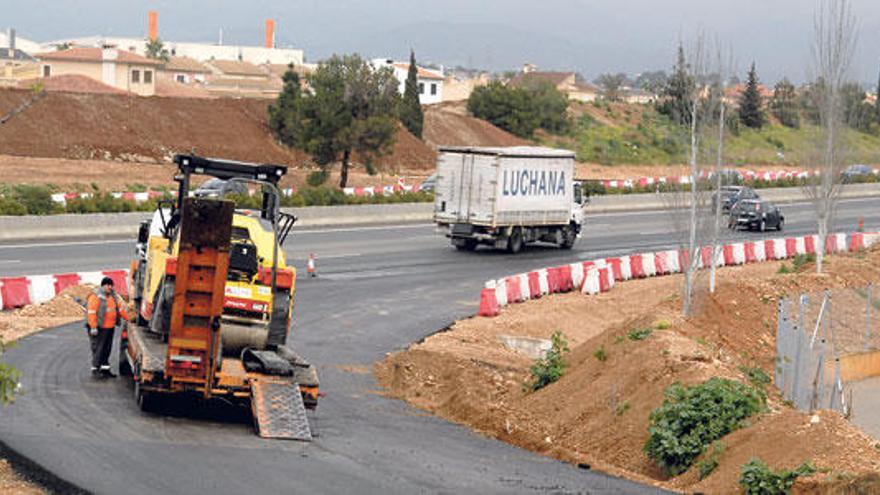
{"x":101,"y":345}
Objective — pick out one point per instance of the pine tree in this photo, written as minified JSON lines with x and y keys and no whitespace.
{"x":285,"y":113}
{"x":410,"y":109}
{"x":675,"y":97}
{"x":784,"y":105}
{"x":751,"y":112}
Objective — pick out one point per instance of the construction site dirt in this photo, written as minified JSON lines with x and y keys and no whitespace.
{"x":597,"y":413}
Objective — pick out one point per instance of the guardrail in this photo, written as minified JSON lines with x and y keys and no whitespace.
{"x":97,"y":225}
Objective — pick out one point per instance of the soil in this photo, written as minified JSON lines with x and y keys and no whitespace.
{"x":64,"y":308}
{"x":449,"y":124}
{"x":597,"y":414}
{"x":13,"y":483}
{"x":128,"y":128}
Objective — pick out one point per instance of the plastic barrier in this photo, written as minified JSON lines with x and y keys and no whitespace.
{"x":534,"y":285}
{"x":672,"y":261}
{"x":835,"y":243}
{"x":488,"y":303}
{"x":616,"y":269}
{"x":591,"y":282}
{"x":524,"y":287}
{"x":65,"y":280}
{"x":42,"y":288}
{"x":514,"y":295}
{"x":93,"y":278}
{"x":661,"y":264}
{"x":648,"y":264}
{"x":727,"y":253}
{"x":626,"y":268}
{"x":857,"y":242}
{"x":500,"y":293}
{"x":637,"y":266}
{"x":544,"y":283}
{"x":552,"y":280}
{"x":790,"y":247}
{"x":606,"y":280}
{"x":800,"y":247}
{"x":563,"y":274}
{"x":750,"y":253}
{"x":14,"y":291}
{"x":810,"y":244}
{"x":780,"y":250}
{"x":577,"y":274}
{"x":739,"y":253}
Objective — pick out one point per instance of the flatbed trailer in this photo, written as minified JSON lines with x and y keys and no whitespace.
{"x":278,"y":403}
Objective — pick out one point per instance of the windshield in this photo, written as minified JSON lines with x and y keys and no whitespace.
{"x":578,"y":193}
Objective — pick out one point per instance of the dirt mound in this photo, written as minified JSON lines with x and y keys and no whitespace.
{"x":170,"y":88}
{"x":116,"y":127}
{"x":450,"y":125}
{"x":597,"y":414}
{"x":64,"y":308}
{"x":73,"y":83}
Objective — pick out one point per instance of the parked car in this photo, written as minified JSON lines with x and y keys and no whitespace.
{"x":429,"y":184}
{"x":730,"y":195}
{"x":756,"y":214}
{"x":856,"y":173}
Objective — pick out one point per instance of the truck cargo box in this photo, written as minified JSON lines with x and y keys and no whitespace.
{"x":499,"y":187}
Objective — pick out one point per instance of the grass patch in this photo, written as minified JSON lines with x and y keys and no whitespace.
{"x":640,"y":333}
{"x":600,"y":354}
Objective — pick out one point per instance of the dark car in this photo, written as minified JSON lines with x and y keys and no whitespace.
{"x":856,"y":173}
{"x":730,"y":195}
{"x":756,"y":214}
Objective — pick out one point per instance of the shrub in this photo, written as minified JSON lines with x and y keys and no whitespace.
{"x":691,"y":418}
{"x":37,"y":200}
{"x":11,"y":207}
{"x":600,"y":354}
{"x":640,"y":333}
{"x":801,"y":260}
{"x":662,"y":324}
{"x":551,"y":367}
{"x":317,"y":178}
{"x":758,"y":479}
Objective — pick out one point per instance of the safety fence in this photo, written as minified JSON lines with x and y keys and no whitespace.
{"x":824,"y":342}
{"x":595,"y":276}
{"x":748,"y":176}
{"x":16,"y":292}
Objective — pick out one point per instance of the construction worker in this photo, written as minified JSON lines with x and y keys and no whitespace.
{"x":106,"y":310}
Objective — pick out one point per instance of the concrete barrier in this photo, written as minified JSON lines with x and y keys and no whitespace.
{"x":856,"y":367}
{"x":125,"y":224}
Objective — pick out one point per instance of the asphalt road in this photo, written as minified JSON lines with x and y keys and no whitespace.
{"x":379,"y":289}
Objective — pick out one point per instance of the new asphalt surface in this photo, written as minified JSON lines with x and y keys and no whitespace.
{"x":378,"y":290}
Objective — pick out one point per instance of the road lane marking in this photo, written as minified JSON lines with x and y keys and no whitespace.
{"x":63,"y":244}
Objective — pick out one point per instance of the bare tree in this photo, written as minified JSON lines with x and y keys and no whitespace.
{"x":724,"y":68}
{"x":833,"y":46}
{"x":690,"y":209}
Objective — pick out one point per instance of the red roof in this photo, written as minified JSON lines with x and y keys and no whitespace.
{"x":90,"y":54}
{"x":422,"y":73}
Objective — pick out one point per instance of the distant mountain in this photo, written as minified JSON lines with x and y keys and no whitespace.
{"x":491,"y":46}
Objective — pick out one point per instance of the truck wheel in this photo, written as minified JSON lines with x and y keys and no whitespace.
{"x":144,"y":400}
{"x":515,"y":241}
{"x":569,"y":236}
{"x":469,"y":245}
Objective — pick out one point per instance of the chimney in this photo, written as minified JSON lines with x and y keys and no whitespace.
{"x":153,"y":25}
{"x":270,"y":33}
{"x":12,"y":39}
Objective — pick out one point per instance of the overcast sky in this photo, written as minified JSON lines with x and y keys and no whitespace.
{"x":590,"y":36}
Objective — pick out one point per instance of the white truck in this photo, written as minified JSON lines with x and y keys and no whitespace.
{"x":507,"y":197}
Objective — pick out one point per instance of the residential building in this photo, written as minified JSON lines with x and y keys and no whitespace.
{"x":566,"y":82}
{"x":117,"y":68}
{"x":430,"y":82}
{"x":456,"y":88}
{"x":237,"y":69}
{"x":15,"y":63}
{"x":185,"y":70}
{"x":199,"y":51}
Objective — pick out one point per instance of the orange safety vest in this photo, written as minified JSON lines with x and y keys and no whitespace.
{"x":104,"y":312}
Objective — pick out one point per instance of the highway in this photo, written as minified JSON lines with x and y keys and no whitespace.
{"x":378,"y":290}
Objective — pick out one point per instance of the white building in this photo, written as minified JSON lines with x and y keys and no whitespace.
{"x":430,"y":82}
{"x":199,"y":51}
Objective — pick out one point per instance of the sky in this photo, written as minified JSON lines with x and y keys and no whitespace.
{"x":587,"y":36}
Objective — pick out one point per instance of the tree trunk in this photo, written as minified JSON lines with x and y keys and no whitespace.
{"x":692,"y":221}
{"x":717,"y":213}
{"x":343,"y":175}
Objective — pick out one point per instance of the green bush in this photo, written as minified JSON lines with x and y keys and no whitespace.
{"x":601,"y":354}
{"x":317,"y":178}
{"x":551,"y":367}
{"x":11,"y":207}
{"x":758,"y":479}
{"x":691,"y":418}
{"x":640,"y":333}
{"x":37,"y":200}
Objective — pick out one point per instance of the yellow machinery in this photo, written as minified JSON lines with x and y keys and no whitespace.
{"x":214,"y":301}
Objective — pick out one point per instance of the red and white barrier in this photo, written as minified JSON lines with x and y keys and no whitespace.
{"x":16,"y":292}
{"x":597,"y":276}
{"x":748,"y":176}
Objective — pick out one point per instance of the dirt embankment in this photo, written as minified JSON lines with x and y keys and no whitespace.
{"x":449,"y":124}
{"x":597,"y":414}
{"x":66,"y":307}
{"x":131,"y":128}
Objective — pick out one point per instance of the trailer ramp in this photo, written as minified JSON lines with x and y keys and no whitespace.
{"x":279,"y":411}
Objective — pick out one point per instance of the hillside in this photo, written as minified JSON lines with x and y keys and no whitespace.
{"x":449,"y":124}
{"x":119,"y":127}
{"x":621,"y":133}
